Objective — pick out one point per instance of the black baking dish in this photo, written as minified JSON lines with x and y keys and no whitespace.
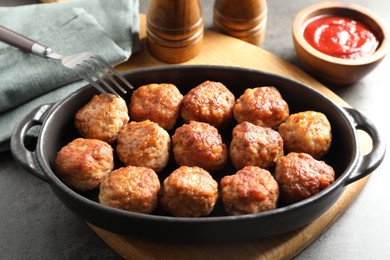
{"x":57,"y":129}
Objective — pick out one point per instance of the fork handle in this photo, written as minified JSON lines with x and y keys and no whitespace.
{"x":22,"y":42}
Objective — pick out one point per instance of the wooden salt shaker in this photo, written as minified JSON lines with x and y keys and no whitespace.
{"x":243,"y":19}
{"x":174,"y":29}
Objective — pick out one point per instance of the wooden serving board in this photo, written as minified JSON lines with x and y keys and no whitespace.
{"x":223,"y":50}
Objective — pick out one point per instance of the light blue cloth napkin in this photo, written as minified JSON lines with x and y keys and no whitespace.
{"x":106,"y":27}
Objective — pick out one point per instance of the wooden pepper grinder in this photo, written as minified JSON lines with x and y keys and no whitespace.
{"x":174,"y":29}
{"x":243,"y":19}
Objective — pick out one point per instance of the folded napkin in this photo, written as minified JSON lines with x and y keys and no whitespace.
{"x":106,"y":27}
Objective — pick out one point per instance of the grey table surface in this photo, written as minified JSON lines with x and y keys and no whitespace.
{"x":34,"y":224}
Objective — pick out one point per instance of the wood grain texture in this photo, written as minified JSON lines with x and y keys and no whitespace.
{"x":224,"y":50}
{"x":242,"y":19}
{"x":174,"y":29}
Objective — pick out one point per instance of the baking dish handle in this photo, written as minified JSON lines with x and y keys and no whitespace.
{"x":23,"y":156}
{"x":369,"y":162}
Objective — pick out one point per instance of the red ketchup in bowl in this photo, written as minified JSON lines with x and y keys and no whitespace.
{"x":340,"y":37}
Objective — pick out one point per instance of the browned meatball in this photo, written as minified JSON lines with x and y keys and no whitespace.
{"x":307,"y":132}
{"x":189,"y":192}
{"x":131,"y":188}
{"x":84,"y":163}
{"x":102,"y":118}
{"x":199,"y":144}
{"x":159,"y":103}
{"x":144,"y":144}
{"x":263,"y":106}
{"x":300,"y":176}
{"x":255,"y":145}
{"x":250,"y":190}
{"x":210,"y":102}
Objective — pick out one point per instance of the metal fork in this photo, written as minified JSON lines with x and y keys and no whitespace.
{"x":89,"y":66}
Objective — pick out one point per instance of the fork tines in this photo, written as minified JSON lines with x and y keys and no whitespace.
{"x":95,"y":69}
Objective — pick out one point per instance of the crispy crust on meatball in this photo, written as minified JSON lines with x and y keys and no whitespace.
{"x":159,"y":103}
{"x":250,"y":190}
{"x":254,"y":145}
{"x":131,"y":188}
{"x":210,"y":102}
{"x":102,"y":118}
{"x":300,"y":176}
{"x":144,"y":144}
{"x":307,"y":132}
{"x":263,"y":106}
{"x":199,"y":144}
{"x":189,"y":192}
{"x":83,"y":163}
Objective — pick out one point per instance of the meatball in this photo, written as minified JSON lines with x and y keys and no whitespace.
{"x":250,"y":190}
{"x":83,"y":163}
{"x":102,"y":118}
{"x":159,"y":103}
{"x":189,"y":192}
{"x":300,"y":176}
{"x":199,"y":144}
{"x":263,"y":106}
{"x":254,"y":145}
{"x":144,"y":144}
{"x":210,"y":102}
{"x":131,"y":188}
{"x":307,"y":132}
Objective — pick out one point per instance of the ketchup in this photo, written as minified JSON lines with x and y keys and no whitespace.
{"x":340,"y":37}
